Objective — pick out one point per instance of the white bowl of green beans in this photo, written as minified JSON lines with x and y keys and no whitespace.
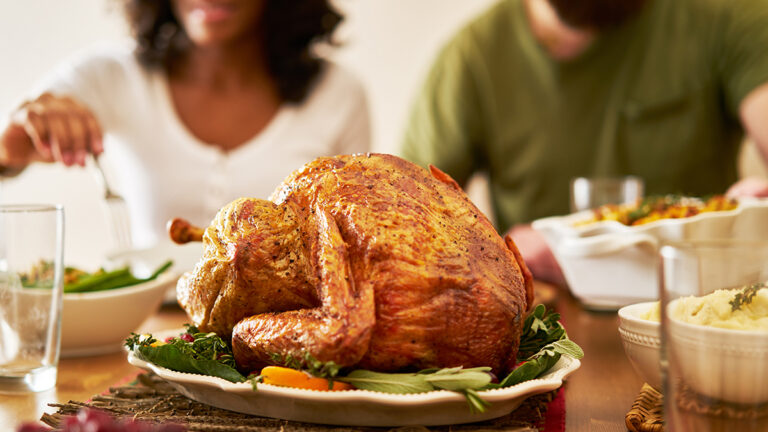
{"x":102,"y":308}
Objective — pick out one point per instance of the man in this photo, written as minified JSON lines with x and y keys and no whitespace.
{"x":536,"y":92}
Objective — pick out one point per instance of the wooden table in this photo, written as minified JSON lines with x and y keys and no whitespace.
{"x":598,"y":395}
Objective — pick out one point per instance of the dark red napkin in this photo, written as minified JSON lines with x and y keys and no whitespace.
{"x":554,"y":420}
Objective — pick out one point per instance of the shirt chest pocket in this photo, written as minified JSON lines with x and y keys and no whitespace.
{"x":678,"y":130}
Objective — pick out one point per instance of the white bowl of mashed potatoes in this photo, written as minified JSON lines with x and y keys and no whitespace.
{"x":721,"y":351}
{"x":640,"y":333}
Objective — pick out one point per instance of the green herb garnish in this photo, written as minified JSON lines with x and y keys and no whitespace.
{"x":192,"y":352}
{"x":745,"y":296}
{"x":308,"y":363}
{"x":539,"y":330}
{"x":464,"y":381}
{"x":541,"y":362}
{"x":543,"y":342}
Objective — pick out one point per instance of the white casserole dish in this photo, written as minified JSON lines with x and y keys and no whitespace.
{"x":609,"y":265}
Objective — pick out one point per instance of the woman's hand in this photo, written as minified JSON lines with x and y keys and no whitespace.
{"x":537,"y":255}
{"x":56,"y":129}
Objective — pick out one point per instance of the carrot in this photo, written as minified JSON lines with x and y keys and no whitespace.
{"x":285,"y":377}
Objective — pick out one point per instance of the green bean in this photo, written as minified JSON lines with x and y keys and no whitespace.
{"x":110,"y":280}
{"x":166,"y":265}
{"x":92,"y":282}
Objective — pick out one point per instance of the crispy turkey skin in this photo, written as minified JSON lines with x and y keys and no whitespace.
{"x":365,"y":260}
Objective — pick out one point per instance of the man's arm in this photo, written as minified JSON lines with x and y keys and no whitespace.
{"x":754,"y":117}
{"x":743,"y":68}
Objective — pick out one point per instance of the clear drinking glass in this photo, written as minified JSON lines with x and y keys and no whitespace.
{"x":715,"y":348}
{"x":31,"y":285}
{"x":592,"y":192}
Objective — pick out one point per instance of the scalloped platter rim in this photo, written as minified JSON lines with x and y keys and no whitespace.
{"x":353,"y":407}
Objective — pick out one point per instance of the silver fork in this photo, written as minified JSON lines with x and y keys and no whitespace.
{"x":115,"y":210}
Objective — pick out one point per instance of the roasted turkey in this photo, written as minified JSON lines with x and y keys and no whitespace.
{"x":365,"y":260}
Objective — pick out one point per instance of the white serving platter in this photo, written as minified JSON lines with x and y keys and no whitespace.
{"x":354,"y":407}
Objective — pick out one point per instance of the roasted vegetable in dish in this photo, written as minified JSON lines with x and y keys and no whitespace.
{"x":78,"y":281}
{"x":654,"y":208}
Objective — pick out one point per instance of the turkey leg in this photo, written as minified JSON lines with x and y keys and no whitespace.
{"x":182,"y":232}
{"x":339,"y":330}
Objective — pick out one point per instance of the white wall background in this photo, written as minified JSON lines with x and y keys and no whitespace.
{"x":389,"y":43}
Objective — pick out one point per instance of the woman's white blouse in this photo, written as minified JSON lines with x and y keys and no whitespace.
{"x":163,"y":171}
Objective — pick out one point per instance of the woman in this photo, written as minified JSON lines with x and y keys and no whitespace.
{"x":215,"y":100}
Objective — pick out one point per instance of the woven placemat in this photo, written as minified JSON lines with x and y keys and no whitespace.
{"x":647,"y":413}
{"x":153,"y":400}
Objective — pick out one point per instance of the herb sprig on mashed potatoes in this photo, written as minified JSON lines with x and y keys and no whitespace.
{"x":716,"y":310}
{"x":735,"y":309}
{"x":746,"y":296}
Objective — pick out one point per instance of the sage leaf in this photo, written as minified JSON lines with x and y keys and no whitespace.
{"x":445,"y":371}
{"x":540,"y":329}
{"x":569,"y":348}
{"x":402,"y":383}
{"x":476,"y":403}
{"x":529,"y":370}
{"x":171,"y":357}
{"x":462,"y":380}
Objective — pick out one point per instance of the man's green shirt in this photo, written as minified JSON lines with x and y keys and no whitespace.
{"x":657,"y":98}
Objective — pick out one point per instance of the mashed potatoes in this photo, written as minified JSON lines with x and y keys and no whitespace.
{"x":652,"y":314}
{"x":715,"y":310}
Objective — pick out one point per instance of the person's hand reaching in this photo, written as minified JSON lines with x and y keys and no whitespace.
{"x":57,"y":129}
{"x":749,"y":187}
{"x":537,"y":255}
